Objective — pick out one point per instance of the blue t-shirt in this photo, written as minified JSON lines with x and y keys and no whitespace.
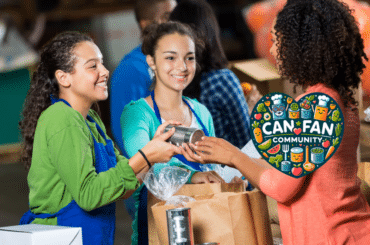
{"x":130,"y":81}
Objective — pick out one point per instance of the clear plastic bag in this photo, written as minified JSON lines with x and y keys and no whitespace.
{"x":225,"y":172}
{"x":164,"y":184}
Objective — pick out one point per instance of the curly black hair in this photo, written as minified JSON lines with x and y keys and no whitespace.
{"x":57,"y":54}
{"x":318,"y":41}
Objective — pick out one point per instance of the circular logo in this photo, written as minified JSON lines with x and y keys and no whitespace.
{"x":297,"y":137}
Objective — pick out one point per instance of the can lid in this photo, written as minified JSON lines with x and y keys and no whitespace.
{"x":297,"y":150}
{"x":178,"y":209}
{"x":196,"y":136}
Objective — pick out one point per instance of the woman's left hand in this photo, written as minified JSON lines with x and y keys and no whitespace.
{"x":206,"y":177}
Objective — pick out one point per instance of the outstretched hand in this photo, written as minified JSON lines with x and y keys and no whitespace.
{"x":158,"y":150}
{"x":211,"y":150}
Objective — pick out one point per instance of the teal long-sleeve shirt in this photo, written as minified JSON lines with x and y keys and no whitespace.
{"x":139,"y":124}
{"x":63,"y":165}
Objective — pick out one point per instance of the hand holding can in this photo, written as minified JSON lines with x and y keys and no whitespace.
{"x":184,"y":135}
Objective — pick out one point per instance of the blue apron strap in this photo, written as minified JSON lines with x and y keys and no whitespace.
{"x":55,"y":100}
{"x":97,"y":126}
{"x":143,"y":196}
{"x":156,"y":110}
{"x":194,"y":165}
{"x":198,"y":118}
{"x":29,"y":217}
{"x":105,"y":156}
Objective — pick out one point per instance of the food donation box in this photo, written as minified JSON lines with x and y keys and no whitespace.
{"x":34,"y":234}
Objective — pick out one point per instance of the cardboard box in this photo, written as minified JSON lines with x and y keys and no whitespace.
{"x":264,"y":75}
{"x":259,"y":72}
{"x":364,"y":171}
{"x":33,"y":234}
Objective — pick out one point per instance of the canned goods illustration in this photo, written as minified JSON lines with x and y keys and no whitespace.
{"x":296,"y":154}
{"x":317,"y":155}
{"x":294,"y":111}
{"x":278,"y":108}
{"x":180,"y":230}
{"x":321,"y":111}
{"x":184,"y":135}
{"x":293,"y":114}
{"x":286,"y":166}
{"x":306,"y":113}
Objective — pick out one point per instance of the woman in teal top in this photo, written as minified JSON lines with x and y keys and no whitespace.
{"x":75,"y":175}
{"x":171,"y":50}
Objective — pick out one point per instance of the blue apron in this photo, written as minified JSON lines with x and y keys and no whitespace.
{"x":98,"y":226}
{"x":143,"y":196}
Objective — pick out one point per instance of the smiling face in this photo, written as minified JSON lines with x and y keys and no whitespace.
{"x":321,"y":113}
{"x":88,"y":80}
{"x":336,"y":114}
{"x":296,"y":157}
{"x":174,"y":62}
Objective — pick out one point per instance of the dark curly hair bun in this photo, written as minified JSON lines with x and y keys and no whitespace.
{"x":319,"y":42}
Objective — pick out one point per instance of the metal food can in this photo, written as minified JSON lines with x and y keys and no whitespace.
{"x":184,"y":135}
{"x":180,"y":230}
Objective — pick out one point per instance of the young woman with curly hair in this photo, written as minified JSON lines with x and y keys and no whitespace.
{"x":317,"y":45}
{"x":75,"y":174}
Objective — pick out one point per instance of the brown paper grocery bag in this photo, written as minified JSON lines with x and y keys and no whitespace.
{"x":225,"y":218}
{"x":261,"y":220}
{"x":205,"y":189}
{"x":188,"y":190}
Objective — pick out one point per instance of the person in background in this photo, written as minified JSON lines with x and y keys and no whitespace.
{"x":317,"y":45}
{"x":75,"y":175}
{"x":170,"y":50}
{"x":215,"y":86}
{"x":132,"y":77}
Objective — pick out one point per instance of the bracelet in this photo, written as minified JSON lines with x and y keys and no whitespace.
{"x":146,"y":159}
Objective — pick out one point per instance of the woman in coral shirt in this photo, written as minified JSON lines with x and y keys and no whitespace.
{"x":317,"y":45}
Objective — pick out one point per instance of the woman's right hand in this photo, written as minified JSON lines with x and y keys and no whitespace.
{"x":212,"y":150}
{"x":158,"y":150}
